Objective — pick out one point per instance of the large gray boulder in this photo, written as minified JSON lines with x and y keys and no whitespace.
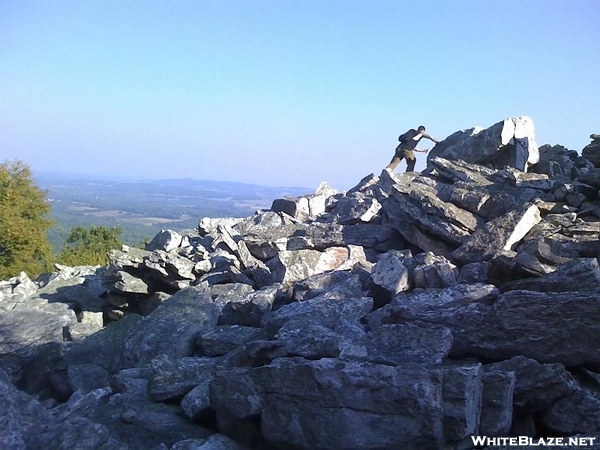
{"x":344,"y":404}
{"x":510,"y":142}
{"x":172,"y":328}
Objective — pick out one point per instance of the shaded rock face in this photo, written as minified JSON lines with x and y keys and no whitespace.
{"x":510,"y":142}
{"x":413,"y":311}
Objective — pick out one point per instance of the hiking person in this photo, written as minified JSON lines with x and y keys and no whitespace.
{"x":408,"y":144}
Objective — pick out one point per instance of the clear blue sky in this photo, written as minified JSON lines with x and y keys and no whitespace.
{"x":283,"y":92}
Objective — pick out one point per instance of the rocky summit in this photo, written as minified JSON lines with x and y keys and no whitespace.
{"x":413,"y":311}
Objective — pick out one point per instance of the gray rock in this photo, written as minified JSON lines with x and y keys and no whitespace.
{"x":499,"y":234}
{"x":461,"y":393}
{"x":497,"y":403}
{"x":345,"y":404}
{"x":173,"y":379}
{"x":333,"y":285}
{"x":171,"y":329}
{"x":592,"y":152}
{"x":409,"y":342}
{"x":127,"y":283}
{"x":248,"y":310}
{"x":510,"y":142}
{"x":431,"y":271}
{"x":297,"y":207}
{"x":356,"y":209}
{"x":165,"y":240}
{"x":577,"y":413}
{"x":581,"y":275}
{"x":215,"y":442}
{"x":391,"y":274}
{"x":291,"y":266}
{"x":318,"y":310}
{"x":225,"y":338}
{"x":25,"y":330}
{"x":87,"y":377}
{"x":537,"y":386}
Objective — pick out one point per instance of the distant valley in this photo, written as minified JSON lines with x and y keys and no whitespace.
{"x":143,"y":208}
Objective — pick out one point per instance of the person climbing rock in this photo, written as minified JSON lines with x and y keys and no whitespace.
{"x":407,"y":147}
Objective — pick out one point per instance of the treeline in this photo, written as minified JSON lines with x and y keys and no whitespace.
{"x":24,"y":224}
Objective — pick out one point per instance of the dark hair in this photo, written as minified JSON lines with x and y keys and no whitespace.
{"x":421,"y":128}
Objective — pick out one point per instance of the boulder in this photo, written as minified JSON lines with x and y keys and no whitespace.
{"x":497,"y":403}
{"x":510,"y":142}
{"x":345,"y":405}
{"x":171,"y":329}
{"x":498,"y":235}
{"x":537,"y":386}
{"x":592,"y":150}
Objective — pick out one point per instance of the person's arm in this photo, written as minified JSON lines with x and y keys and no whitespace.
{"x":431,"y":138}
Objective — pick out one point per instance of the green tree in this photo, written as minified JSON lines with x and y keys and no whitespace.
{"x":23,"y":223}
{"x":89,"y":246}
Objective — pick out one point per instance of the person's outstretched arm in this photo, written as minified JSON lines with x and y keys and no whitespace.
{"x":431,"y":138}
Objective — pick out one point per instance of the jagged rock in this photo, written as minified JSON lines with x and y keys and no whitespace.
{"x":27,"y":424}
{"x":87,"y":377}
{"x":214,"y":442}
{"x":165,"y":240}
{"x":444,"y":220}
{"x":132,"y":258}
{"x":592,"y":178}
{"x":297,"y":208}
{"x":171,"y":329}
{"x":20,"y":286}
{"x":409,"y":342}
{"x":537,"y":386}
{"x":344,"y":404}
{"x":208,"y":225}
{"x":577,"y":413}
{"x":25,"y":329}
{"x":173,"y":379}
{"x":356,"y":209}
{"x":336,"y":285}
{"x":521,"y":179}
{"x":532,"y":324}
{"x":499,"y":234}
{"x":127,"y":283}
{"x":557,"y":162}
{"x":148,"y":305}
{"x":291,"y":266}
{"x":461,"y":393}
{"x":165,"y":265}
{"x":581,"y":275}
{"x":497,"y":403}
{"x":224,"y":338}
{"x":431,"y":271}
{"x":429,"y":304}
{"x":318,"y":310}
{"x":592,"y":151}
{"x":390,"y":274}
{"x":510,"y":142}
{"x":248,"y":310}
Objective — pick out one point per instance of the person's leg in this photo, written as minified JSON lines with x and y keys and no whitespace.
{"x":398,"y":155}
{"x":410,"y":160}
{"x":394,"y":163}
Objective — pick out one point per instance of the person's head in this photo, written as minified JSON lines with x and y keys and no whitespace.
{"x":421,"y":129}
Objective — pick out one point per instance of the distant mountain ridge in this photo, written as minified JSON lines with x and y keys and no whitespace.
{"x":143,"y":207}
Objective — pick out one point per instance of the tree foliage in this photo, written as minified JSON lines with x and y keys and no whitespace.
{"x":89,"y":246}
{"x":23,"y":223}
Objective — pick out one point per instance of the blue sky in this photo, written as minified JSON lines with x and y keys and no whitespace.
{"x":287,"y":93}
